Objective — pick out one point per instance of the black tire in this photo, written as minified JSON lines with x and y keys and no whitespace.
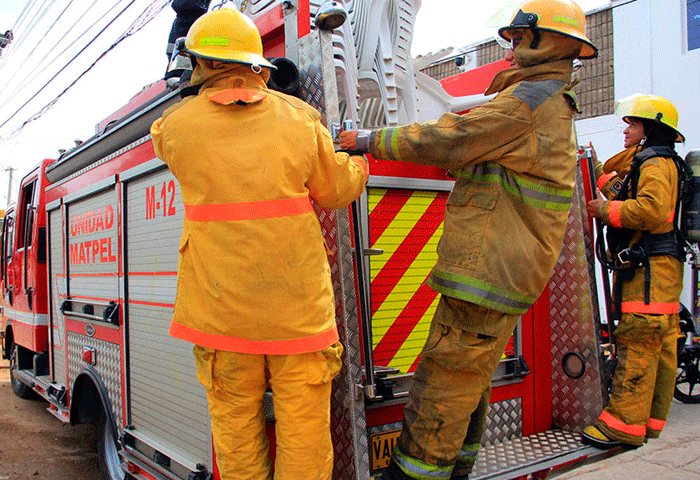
{"x":107,"y":449}
{"x":19,"y":388}
{"x":688,"y":378}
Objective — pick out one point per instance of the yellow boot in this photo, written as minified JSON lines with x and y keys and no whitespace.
{"x":594,"y":437}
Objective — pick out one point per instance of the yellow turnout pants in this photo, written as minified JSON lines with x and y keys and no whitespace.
{"x":301,"y":386}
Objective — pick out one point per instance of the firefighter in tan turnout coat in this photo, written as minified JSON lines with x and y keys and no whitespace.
{"x":254,"y":290}
{"x":641,"y":185}
{"x":513,"y":161}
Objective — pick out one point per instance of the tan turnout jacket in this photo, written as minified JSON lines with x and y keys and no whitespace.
{"x":513,"y":161}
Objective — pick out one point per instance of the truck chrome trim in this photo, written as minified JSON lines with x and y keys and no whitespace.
{"x":409,"y":183}
{"x":26,"y":317}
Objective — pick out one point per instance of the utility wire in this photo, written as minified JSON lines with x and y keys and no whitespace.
{"x":21,"y":14}
{"x":64,"y":67}
{"x":38,"y":16}
{"x":148,"y":14}
{"x":29,"y":55}
{"x":71,"y":43}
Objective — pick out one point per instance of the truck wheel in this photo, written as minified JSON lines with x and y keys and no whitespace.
{"x":107,"y":450}
{"x":688,"y":380}
{"x":20,"y":389}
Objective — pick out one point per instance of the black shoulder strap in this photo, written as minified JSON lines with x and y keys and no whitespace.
{"x":632,"y":179}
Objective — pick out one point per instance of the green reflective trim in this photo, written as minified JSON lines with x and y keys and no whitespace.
{"x":381,"y":145}
{"x":395,"y":144}
{"x":529,"y":192}
{"x":567,"y":20}
{"x":419,"y":469}
{"x":479,"y":292}
{"x":389,"y":143}
{"x":472,"y":447}
{"x":215,"y":41}
{"x":468,"y":453}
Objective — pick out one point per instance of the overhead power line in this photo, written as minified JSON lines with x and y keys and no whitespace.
{"x":70,"y":44}
{"x":66,"y":66}
{"x":146,"y":16}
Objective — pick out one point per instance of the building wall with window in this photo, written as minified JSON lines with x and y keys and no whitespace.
{"x":646,"y":46}
{"x":596,"y":87}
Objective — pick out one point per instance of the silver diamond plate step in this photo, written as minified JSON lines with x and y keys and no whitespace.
{"x":521,"y":456}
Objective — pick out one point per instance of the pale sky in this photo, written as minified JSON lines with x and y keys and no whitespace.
{"x":140,"y":60}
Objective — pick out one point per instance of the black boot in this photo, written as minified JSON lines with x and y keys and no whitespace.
{"x":394,"y":472}
{"x":461,"y":471}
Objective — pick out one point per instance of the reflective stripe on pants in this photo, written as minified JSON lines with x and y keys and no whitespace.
{"x":644,"y":379}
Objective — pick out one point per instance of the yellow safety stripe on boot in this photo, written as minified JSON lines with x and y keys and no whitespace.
{"x":530,"y":193}
{"x":479,"y":292}
{"x":419,"y":469}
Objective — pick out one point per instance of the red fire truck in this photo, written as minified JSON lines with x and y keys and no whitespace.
{"x":90,"y":251}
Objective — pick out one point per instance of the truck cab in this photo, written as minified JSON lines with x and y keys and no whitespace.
{"x":25,"y":330}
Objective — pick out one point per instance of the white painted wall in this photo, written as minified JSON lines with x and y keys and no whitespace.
{"x":651,"y":57}
{"x":650,"y":51}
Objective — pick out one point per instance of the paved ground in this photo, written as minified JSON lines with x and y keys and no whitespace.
{"x":34,"y":445}
{"x":674,"y":456}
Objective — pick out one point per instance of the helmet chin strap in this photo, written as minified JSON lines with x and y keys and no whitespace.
{"x":536,"y":38}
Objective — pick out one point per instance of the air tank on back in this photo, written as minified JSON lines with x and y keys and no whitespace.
{"x":692,"y":203}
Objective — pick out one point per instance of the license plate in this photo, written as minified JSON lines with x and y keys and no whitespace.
{"x":381,"y":446}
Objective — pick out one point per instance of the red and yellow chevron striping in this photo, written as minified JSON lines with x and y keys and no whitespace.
{"x":407,"y":225}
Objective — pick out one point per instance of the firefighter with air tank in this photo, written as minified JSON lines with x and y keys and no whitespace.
{"x":254,"y":288}
{"x":514,"y":162}
{"x":642,"y":185}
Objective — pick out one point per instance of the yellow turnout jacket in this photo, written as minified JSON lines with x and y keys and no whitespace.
{"x":652,"y":209}
{"x":253,"y":275}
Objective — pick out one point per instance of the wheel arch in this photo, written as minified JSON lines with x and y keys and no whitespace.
{"x":88,"y":396}
{"x":8,"y":339}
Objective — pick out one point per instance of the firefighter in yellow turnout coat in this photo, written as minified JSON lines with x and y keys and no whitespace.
{"x":641,"y":213}
{"x":513,"y":161}
{"x":254,"y":289}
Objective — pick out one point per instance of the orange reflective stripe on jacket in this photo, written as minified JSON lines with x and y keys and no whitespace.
{"x":614,"y":213}
{"x":362,"y":164}
{"x":603,"y":179}
{"x":284,"y":207}
{"x":292,"y":346}
{"x":620,"y":426}
{"x":653,"y":307}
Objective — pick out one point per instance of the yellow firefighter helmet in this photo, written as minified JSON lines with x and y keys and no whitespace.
{"x":560,"y":16}
{"x":649,"y":107}
{"x":228,"y":36}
